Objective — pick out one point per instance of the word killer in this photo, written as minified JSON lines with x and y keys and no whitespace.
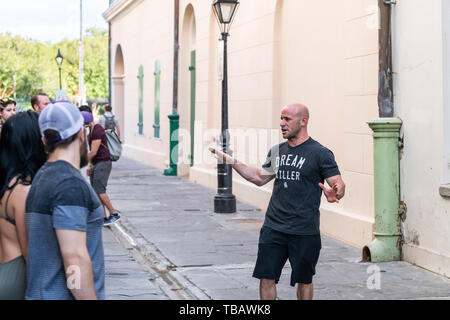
{"x":288,"y":175}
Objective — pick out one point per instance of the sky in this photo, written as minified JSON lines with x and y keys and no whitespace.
{"x":50,"y":20}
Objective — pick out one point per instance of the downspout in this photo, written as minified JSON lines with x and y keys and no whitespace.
{"x":386,"y":134}
{"x":176,"y":48}
{"x":385,"y":83}
{"x":174,"y":117}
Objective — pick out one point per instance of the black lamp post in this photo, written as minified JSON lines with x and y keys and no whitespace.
{"x":59,"y":60}
{"x":225,"y":201}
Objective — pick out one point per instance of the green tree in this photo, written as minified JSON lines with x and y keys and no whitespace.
{"x":96,"y":63}
{"x":36,"y":70}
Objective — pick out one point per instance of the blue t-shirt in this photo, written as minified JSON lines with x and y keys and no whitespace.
{"x":295,"y":202}
{"x":60,"y":198}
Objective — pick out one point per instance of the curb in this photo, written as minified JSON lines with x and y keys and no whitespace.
{"x":171,"y":282}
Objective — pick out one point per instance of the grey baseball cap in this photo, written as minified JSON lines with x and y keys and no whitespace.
{"x":62,"y":117}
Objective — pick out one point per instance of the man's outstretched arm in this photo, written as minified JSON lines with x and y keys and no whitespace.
{"x":338,"y":185}
{"x":337,"y":190}
{"x":254,"y":175}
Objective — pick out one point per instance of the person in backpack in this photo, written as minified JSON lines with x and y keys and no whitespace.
{"x":109,"y":121}
{"x":99,"y":166}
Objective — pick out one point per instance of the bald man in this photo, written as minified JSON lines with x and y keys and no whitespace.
{"x":291,"y":226}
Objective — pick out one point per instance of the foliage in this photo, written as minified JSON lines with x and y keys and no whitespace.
{"x":5,"y":91}
{"x":97,"y":110}
{"x":36,"y":69}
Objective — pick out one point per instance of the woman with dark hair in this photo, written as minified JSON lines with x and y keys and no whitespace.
{"x":21,"y":155}
{"x":7,"y":109}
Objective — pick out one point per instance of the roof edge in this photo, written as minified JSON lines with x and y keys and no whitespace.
{"x":116,"y":8}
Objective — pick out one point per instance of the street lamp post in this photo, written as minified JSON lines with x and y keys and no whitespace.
{"x":59,"y":60}
{"x":225,"y":201}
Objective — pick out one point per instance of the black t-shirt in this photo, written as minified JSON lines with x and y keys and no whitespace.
{"x":294,"y":205}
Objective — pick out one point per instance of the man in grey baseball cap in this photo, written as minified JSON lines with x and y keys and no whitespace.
{"x":64,"y":216}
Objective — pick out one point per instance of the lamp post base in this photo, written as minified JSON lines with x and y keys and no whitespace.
{"x":224,"y":204}
{"x":174,"y":125}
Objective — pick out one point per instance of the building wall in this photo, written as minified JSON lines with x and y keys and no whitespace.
{"x":323,"y":54}
{"x":288,"y":51}
{"x":419,"y":102}
{"x":144,"y":31}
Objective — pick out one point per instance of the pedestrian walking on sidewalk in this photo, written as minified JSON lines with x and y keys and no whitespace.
{"x":64,"y":216}
{"x":39,"y":102}
{"x":21,"y":155}
{"x":109,"y":121}
{"x":100,"y":166}
{"x":291,"y":226}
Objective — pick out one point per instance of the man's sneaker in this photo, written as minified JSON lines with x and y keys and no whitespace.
{"x":107,"y":221}
{"x":113,"y":217}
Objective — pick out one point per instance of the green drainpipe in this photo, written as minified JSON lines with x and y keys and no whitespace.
{"x":386,"y":246}
{"x":174,"y":124}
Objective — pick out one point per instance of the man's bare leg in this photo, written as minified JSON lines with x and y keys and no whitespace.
{"x":305,"y":291}
{"x":267,"y":289}
{"x":107,"y":203}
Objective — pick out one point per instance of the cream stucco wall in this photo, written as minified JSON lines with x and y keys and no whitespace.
{"x":137,"y":30}
{"x":287,"y":51}
{"x":321,"y":53}
{"x":419,"y":101}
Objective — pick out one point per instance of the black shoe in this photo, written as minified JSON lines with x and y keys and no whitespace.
{"x":107,"y":221}
{"x":114,"y":217}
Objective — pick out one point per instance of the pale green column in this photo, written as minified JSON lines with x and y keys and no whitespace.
{"x":386,"y":246}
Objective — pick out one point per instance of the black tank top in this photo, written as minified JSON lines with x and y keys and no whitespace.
{"x":18,"y":181}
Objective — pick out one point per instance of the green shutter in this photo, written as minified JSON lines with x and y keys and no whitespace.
{"x":192,"y":69}
{"x":157,"y":75}
{"x":141,"y":99}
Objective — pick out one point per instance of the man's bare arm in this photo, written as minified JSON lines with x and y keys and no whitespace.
{"x":77,"y":263}
{"x":337,"y":189}
{"x":338,"y":185}
{"x":95,"y":145}
{"x":253,"y":175}
{"x":118,"y":132}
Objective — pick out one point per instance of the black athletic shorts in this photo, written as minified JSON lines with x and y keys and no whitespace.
{"x":276,"y":247}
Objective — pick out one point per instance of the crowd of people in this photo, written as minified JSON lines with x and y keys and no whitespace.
{"x":50,"y":216}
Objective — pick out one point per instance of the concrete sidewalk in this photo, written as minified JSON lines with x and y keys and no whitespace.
{"x":170,"y":222}
{"x":128,"y":278}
